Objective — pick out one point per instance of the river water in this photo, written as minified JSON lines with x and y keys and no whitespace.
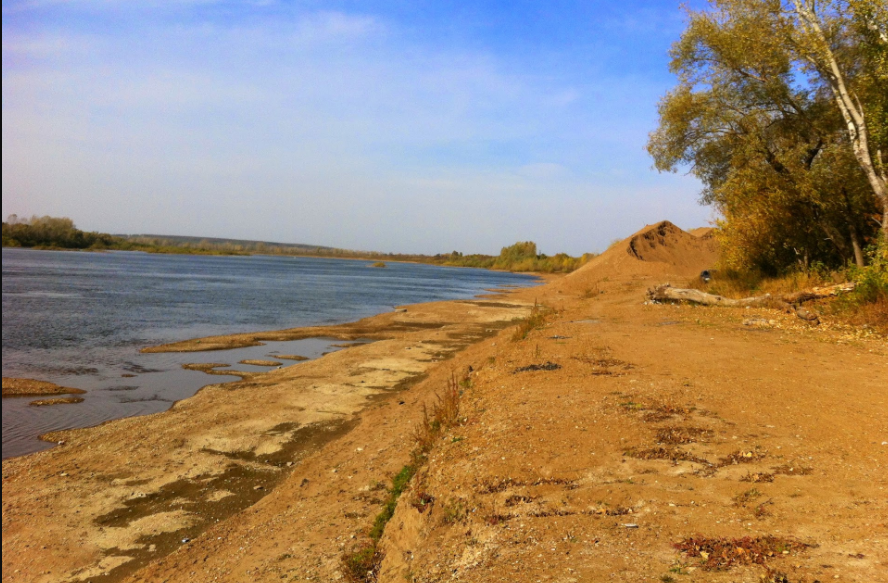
{"x":79,"y":320}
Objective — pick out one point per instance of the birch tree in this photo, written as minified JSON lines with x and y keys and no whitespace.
{"x":821,"y":28}
{"x":754,"y":117}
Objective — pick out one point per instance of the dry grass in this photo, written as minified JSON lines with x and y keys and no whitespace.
{"x":664,"y":453}
{"x":538,"y":317}
{"x":758,"y":477}
{"x":742,"y":457}
{"x":736,"y":285}
{"x":676,"y":435}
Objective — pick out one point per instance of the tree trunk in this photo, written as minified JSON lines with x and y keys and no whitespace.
{"x":852,"y":111}
{"x":855,"y":244}
{"x":675,"y":294}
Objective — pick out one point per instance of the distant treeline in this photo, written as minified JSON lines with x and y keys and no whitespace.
{"x":60,"y":233}
{"x":521,"y":257}
{"x":51,"y":233}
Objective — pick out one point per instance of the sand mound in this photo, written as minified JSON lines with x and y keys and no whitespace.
{"x":666,"y":243}
{"x":656,"y":250}
{"x":702,"y":231}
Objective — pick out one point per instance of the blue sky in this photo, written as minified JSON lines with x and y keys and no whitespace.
{"x":404,"y":126}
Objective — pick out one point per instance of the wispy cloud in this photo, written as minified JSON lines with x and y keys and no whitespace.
{"x":323,"y":117}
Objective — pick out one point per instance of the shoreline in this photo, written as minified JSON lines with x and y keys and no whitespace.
{"x":259,"y":444}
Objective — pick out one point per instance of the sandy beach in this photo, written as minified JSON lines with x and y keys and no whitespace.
{"x":619,"y":441}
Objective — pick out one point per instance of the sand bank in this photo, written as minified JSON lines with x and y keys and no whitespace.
{"x":13,"y":387}
{"x":114,"y":497}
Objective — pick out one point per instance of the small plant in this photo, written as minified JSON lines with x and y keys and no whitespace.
{"x":761,"y":511}
{"x":422,"y":501}
{"x":744,"y":498}
{"x":742,"y":457}
{"x":362,"y":565}
{"x":536,"y":320}
{"x":681,"y":435}
{"x":664,"y":453}
{"x":455,"y":511}
{"x":757,"y":477}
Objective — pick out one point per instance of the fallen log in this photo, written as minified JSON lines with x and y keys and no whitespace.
{"x":816,"y":293}
{"x":789,"y":302}
{"x":667,"y":293}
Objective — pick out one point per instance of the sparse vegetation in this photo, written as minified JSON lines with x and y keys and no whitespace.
{"x":865,"y":305}
{"x":539,"y":314}
{"x":362,"y":565}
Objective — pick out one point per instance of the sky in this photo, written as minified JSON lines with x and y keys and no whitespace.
{"x":395,"y":126}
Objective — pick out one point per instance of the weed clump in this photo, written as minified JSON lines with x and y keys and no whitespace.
{"x":665,"y":453}
{"x":534,"y":367}
{"x":757,"y":477}
{"x":455,"y":511}
{"x":363,"y":564}
{"x":744,"y":498}
{"x":539,"y":314}
{"x":657,"y":412}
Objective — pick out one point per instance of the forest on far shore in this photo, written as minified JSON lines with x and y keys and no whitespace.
{"x":61,"y":233}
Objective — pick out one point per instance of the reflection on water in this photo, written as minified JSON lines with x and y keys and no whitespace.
{"x":79,"y":320}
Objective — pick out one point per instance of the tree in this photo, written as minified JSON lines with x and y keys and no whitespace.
{"x":823,"y":31}
{"x":756,"y":122}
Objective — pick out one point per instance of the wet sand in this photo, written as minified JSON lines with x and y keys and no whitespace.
{"x":114,"y":497}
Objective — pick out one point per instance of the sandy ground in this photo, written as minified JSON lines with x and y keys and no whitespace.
{"x":13,"y":387}
{"x":659,"y":423}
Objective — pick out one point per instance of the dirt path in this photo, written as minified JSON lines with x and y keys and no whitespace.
{"x":587,"y":452}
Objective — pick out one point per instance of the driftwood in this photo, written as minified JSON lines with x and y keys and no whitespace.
{"x":667,"y":293}
{"x":789,"y":302}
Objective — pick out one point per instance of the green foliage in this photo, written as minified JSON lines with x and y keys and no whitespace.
{"x":868,"y":302}
{"x":51,"y":233}
{"x":758,"y":124}
{"x":520,"y":257}
{"x":399,"y":484}
{"x":362,"y":565}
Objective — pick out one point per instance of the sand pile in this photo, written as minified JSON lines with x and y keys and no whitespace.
{"x":656,"y":250}
{"x":666,"y":243}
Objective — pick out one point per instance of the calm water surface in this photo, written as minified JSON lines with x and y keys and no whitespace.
{"x":79,"y":320}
